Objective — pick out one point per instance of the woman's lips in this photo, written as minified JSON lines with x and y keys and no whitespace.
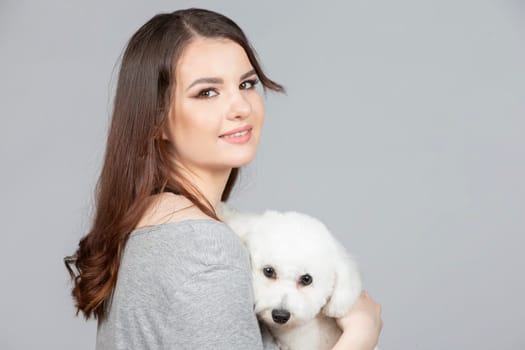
{"x":239,"y":137}
{"x":242,"y":128}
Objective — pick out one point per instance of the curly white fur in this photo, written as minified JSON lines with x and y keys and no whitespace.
{"x":294,"y":245}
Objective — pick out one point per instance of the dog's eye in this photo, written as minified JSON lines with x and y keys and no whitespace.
{"x":269,"y":272}
{"x":306,"y":280}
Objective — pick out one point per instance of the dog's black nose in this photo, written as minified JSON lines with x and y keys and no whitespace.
{"x":280,"y":316}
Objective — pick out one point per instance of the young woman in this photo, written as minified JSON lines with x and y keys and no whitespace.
{"x":186,"y":117}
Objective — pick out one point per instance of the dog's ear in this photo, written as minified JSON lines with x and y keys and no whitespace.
{"x":225,"y":212}
{"x":240,"y":222}
{"x":347,"y":285}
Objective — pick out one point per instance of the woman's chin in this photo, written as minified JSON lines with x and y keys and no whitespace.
{"x":240,"y":163}
{"x":240,"y":160}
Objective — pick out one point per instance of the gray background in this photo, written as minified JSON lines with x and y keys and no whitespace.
{"x":403,"y":130}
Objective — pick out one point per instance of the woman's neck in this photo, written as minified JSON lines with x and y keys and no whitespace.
{"x":210,"y":183}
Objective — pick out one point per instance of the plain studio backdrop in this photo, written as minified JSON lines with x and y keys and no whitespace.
{"x":403,"y":130}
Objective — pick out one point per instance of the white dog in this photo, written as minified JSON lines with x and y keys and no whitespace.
{"x":302,"y":277}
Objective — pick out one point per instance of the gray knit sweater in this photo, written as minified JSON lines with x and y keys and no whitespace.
{"x":183,"y":285}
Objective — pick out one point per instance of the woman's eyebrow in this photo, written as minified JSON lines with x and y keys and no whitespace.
{"x":205,"y":81}
{"x":247,"y":74}
{"x":218,"y":80}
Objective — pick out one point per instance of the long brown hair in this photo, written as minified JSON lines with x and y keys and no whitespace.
{"x":136,"y":163}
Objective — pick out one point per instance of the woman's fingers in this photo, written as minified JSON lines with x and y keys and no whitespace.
{"x":364,"y":320}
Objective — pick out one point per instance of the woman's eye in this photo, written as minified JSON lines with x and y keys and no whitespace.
{"x":249,"y":84}
{"x":207,"y":93}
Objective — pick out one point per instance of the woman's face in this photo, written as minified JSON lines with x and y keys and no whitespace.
{"x":214,"y":95}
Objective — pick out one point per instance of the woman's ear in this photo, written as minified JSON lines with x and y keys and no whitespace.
{"x":164,"y":128}
{"x":347,"y":285}
{"x":163,"y":135}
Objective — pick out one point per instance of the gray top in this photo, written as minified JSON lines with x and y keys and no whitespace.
{"x":183,"y":285}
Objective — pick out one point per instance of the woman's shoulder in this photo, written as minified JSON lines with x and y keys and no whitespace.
{"x":193,"y":240}
{"x":169,"y":207}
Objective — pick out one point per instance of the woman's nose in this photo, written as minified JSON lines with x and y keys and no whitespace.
{"x":240,"y":107}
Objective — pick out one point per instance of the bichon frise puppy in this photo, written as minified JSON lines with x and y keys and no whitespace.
{"x":302,"y":277}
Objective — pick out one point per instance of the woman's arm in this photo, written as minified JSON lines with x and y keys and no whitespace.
{"x":361,"y":326}
{"x":214,"y":310}
{"x":182,"y":286}
{"x":213,"y":307}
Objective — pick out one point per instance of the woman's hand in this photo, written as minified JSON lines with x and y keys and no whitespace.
{"x":361,"y":326}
